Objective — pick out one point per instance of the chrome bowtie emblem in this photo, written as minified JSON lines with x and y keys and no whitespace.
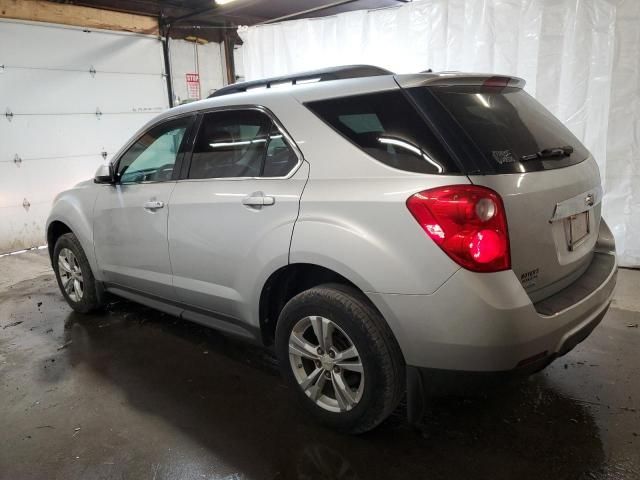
{"x":589,"y":200}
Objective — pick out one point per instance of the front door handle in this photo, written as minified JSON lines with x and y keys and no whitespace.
{"x":257,"y":200}
{"x":153,"y":205}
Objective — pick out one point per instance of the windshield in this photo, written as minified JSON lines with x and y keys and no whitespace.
{"x":508,"y":129}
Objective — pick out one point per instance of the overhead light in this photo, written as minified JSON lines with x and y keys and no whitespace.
{"x":400,"y":143}
{"x":223,"y":2}
{"x":411,"y":148}
{"x":234,"y":144}
{"x":482,"y":100}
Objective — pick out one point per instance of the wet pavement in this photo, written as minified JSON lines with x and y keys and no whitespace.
{"x":132,"y":393}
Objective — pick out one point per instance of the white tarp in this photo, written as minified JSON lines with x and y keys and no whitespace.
{"x":581,"y":59}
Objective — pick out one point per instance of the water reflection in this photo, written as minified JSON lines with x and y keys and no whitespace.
{"x":320,"y":462}
{"x":231,"y":401}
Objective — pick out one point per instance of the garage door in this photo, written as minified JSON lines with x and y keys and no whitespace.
{"x":69,"y":99}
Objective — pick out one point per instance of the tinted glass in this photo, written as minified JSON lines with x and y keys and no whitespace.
{"x":501,"y":125}
{"x":280,"y":157}
{"x":230,"y":144}
{"x":389,"y":128}
{"x":153,"y":156}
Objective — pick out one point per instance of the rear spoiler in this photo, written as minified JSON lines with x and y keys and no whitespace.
{"x":458,"y":78}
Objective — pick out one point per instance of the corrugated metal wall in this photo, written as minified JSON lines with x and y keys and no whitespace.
{"x":69,"y":98}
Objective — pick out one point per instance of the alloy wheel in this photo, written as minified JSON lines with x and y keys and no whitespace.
{"x":70,"y":274}
{"x":326,"y":364}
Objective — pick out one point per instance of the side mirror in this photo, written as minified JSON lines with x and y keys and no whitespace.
{"x":104,"y":174}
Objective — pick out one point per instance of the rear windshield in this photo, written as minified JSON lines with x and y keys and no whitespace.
{"x":491,"y":129}
{"x":388,"y":127}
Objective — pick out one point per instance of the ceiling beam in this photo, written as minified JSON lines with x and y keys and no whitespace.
{"x":65,"y":14}
{"x":307,"y":11}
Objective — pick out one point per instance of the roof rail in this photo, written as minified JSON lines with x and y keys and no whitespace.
{"x":322,"y":75}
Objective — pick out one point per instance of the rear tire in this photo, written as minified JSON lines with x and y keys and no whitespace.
{"x":358,"y":338}
{"x":74,"y":275}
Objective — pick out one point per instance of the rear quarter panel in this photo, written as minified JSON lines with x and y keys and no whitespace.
{"x":363,"y":230}
{"x":353,"y":216}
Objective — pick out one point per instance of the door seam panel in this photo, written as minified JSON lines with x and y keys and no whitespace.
{"x":293,"y":228}
{"x":167,"y":230}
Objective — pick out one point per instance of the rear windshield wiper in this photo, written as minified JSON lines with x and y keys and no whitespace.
{"x":565,"y":151}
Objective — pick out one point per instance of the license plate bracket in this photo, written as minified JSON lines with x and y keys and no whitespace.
{"x":577,"y":229}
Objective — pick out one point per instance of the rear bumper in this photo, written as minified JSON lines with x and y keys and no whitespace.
{"x":436,"y":381}
{"x":487,"y":323}
{"x":514,"y":347}
{"x":479,"y":328}
{"x":427,"y":382}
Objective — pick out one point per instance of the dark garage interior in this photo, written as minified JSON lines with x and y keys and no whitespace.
{"x":99,"y":380}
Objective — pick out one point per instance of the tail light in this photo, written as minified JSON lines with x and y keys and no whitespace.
{"x":467,"y":222}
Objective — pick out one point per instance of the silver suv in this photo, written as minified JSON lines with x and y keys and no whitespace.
{"x":384,"y":233}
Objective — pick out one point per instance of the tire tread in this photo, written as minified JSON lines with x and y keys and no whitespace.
{"x":91,"y":298}
{"x":389,"y":356}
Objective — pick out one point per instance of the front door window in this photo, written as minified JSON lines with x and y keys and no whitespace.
{"x":153,"y":156}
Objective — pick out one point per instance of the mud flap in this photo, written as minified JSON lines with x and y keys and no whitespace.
{"x":416,"y":403}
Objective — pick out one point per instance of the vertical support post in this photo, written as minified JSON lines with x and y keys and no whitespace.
{"x":228,"y":57}
{"x":165,"y":30}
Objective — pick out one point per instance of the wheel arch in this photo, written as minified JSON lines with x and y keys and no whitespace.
{"x":55,"y":230}
{"x":287,"y":282}
{"x":59,"y":225}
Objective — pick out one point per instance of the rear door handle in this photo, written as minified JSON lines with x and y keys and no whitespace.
{"x":153,"y":205}
{"x":258,"y":200}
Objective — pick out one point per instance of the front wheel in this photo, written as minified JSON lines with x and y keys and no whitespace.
{"x":74,"y":275}
{"x":339,"y":356}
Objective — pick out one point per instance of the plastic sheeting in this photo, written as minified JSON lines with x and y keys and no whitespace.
{"x":581,"y":59}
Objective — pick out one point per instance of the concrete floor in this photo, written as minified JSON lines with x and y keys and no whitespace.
{"x":131,"y":393}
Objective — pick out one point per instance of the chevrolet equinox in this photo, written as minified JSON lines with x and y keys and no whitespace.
{"x":384,"y":234}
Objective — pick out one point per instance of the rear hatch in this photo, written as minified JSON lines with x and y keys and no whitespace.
{"x":502,"y":138}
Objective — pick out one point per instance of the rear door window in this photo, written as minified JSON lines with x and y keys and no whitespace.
{"x":230,"y":144}
{"x":501,"y":130}
{"x":389,"y":128}
{"x":240,"y":144}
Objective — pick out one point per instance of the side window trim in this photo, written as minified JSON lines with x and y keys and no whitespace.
{"x":191,"y":116}
{"x":185,"y":160}
{"x":181,"y":153}
{"x":266,"y":147}
{"x":197,"y":125}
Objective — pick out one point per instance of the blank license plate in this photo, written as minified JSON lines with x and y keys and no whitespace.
{"x":578,"y":228}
